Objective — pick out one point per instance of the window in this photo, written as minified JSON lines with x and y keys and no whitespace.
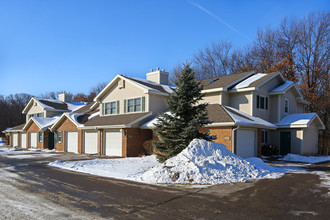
{"x":286,"y":106}
{"x":41,"y":115}
{"x":40,"y":136}
{"x":264,"y":137}
{"x":59,"y":136}
{"x":134,"y":105}
{"x":262,"y":102}
{"x":110,"y":108}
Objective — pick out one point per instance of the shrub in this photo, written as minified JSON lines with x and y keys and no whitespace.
{"x":269,"y":150}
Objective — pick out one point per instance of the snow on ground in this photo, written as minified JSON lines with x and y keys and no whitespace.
{"x":123,"y":168}
{"x":201,"y":163}
{"x":2,"y":142}
{"x":305,"y":159}
{"x":24,"y":154}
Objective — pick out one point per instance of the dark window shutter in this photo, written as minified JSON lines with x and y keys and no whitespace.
{"x":143,"y":103}
{"x":103,"y":109}
{"x":258,"y":101}
{"x":125,"y":105}
{"x":118,"y":107}
{"x":266,"y":103}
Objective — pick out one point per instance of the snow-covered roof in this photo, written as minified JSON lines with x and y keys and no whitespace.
{"x":282,"y":88}
{"x":299,"y":120}
{"x":44,"y":123}
{"x":246,"y":83}
{"x":71,"y":116}
{"x":146,"y":82}
{"x":238,"y":118}
{"x":242,"y":118}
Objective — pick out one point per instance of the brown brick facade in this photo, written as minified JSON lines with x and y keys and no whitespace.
{"x":223,"y":135}
{"x":133,"y":139}
{"x":33,"y":128}
{"x":65,"y":126}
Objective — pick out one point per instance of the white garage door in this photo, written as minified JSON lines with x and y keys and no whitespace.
{"x":113,"y":143}
{"x":245,"y":143}
{"x":23,"y":140}
{"x":15,"y":140}
{"x":33,"y":140}
{"x":72,"y":141}
{"x":90,"y":142}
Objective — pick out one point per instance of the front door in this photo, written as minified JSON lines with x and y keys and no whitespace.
{"x":285,"y":142}
{"x":50,"y":140}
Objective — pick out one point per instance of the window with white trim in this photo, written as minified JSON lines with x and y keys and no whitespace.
{"x":110,"y":108}
{"x":134,"y":105}
{"x":262,"y":102}
{"x":59,"y":136}
{"x":40,"y":136}
{"x":286,"y":106}
{"x":264,"y":137}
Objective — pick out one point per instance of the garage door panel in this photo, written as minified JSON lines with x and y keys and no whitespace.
{"x":90,"y":142}
{"x":245,"y":143}
{"x":33,"y":140}
{"x":15,"y":140}
{"x":113,"y":143}
{"x":23,"y":140}
{"x":72,"y":141}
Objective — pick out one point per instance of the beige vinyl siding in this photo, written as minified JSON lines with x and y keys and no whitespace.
{"x":300,"y":108}
{"x":33,"y":110}
{"x":157,"y":103}
{"x":271,"y":113}
{"x":291,"y":97}
{"x":52,"y":113}
{"x":224,"y":98}
{"x":296,"y":141}
{"x":273,"y":108}
{"x":310,"y":146}
{"x":212,"y":98}
{"x":128,"y":92}
{"x":241,"y":101}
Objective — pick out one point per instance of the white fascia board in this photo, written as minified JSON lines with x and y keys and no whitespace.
{"x":212,"y":90}
{"x":94,"y":105}
{"x":221,"y":124}
{"x":292,"y":126}
{"x":28,"y":123}
{"x":25,"y":110}
{"x":11,"y":131}
{"x":155,"y":92}
{"x":322,"y":127}
{"x":303,"y":101}
{"x":270,"y":78}
{"x":242,"y":90}
{"x":112,"y":126}
{"x":106,"y":88}
{"x":60,"y":118}
{"x":139,"y":119}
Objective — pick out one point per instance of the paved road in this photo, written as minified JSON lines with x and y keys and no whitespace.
{"x":29,"y":189}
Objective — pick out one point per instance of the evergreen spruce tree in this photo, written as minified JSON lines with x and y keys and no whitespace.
{"x":177,"y":129}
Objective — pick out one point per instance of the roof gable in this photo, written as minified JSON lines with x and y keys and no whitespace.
{"x":76,"y":118}
{"x":145,"y":85}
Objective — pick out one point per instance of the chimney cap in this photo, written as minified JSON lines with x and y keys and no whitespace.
{"x":157,"y":68}
{"x":151,"y":70}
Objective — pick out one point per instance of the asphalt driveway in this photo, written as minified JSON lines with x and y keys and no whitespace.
{"x":31,"y":189}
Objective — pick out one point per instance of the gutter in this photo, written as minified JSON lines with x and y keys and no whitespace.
{"x":233,"y":139}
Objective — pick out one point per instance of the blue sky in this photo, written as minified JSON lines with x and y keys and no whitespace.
{"x":72,"y":45}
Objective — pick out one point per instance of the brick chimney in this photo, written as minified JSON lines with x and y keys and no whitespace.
{"x":158,"y":76}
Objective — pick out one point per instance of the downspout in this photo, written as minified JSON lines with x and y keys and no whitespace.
{"x":233,"y":138}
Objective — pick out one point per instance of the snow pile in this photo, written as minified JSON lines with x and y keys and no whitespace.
{"x":305,"y":159}
{"x":205,"y":162}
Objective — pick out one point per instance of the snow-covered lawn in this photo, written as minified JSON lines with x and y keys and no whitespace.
{"x":25,"y":154}
{"x":201,"y":163}
{"x":305,"y":159}
{"x":2,"y":142}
